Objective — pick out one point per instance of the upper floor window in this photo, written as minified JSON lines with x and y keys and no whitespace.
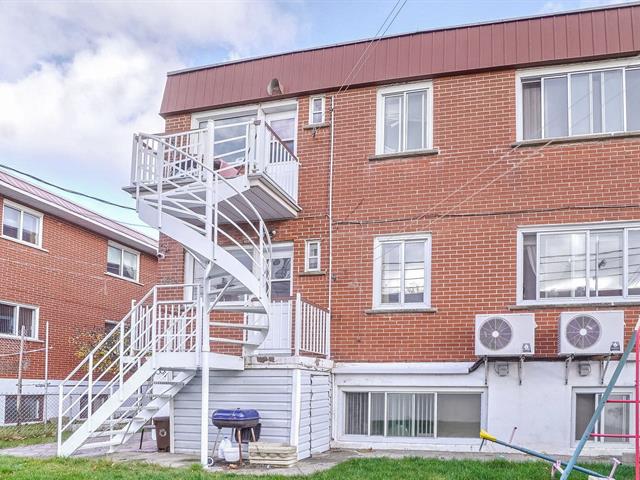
{"x":312,"y":256}
{"x":580,"y":103}
{"x":123,"y":262}
{"x":580,"y":264}
{"x":404,"y":118}
{"x":316,"y":110}
{"x":21,"y":224}
{"x":18,"y":319}
{"x":402,"y":272}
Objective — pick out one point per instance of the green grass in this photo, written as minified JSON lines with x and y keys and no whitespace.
{"x":360,"y":469}
{"x":28,"y":434}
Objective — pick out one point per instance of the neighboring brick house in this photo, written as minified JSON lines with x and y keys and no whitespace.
{"x":67,"y":267}
{"x":478,"y":170}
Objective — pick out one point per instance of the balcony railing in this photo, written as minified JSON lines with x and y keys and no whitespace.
{"x":296,"y":327}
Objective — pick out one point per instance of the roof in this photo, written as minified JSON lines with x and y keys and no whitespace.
{"x":47,"y":202}
{"x":555,"y":38}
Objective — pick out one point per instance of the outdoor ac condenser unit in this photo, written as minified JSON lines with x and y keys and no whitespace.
{"x":505,"y":335}
{"x":591,"y":333}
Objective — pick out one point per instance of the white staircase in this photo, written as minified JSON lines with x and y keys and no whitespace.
{"x":159,"y":345}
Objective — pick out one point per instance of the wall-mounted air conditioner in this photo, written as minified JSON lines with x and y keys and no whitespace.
{"x":505,"y":335}
{"x":591,"y":333}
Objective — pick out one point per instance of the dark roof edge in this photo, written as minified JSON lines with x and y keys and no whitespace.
{"x":406,"y":34}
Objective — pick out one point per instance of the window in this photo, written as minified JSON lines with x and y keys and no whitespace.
{"x":281,"y":261}
{"x":316,"y":110}
{"x":401,"y":272}
{"x":96,"y":402}
{"x":14,"y":318}
{"x":582,"y":264}
{"x":615,"y":418}
{"x":31,"y":409}
{"x":123,"y":262}
{"x":21,"y":224}
{"x":413,"y":414}
{"x":312,"y":256}
{"x":581,"y":103}
{"x":404,"y":116}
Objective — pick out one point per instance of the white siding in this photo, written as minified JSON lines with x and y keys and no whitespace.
{"x":314,"y":414}
{"x":268,"y":391}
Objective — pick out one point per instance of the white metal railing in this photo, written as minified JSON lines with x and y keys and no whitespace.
{"x":153,"y":325}
{"x":308,"y":324}
{"x":177,"y":174}
{"x":281,"y":164}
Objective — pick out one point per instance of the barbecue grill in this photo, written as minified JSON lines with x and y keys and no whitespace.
{"x":245,"y":425}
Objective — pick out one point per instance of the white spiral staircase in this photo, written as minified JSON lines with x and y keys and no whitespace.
{"x":157,"y":348}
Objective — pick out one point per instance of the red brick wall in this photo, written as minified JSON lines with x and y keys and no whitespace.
{"x":472,"y":196}
{"x":69,"y":285}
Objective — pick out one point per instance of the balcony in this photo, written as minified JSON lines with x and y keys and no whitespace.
{"x":248,"y":155}
{"x":296,"y":327}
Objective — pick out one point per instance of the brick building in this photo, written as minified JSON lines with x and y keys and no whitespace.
{"x":463,"y":222}
{"x":65,"y":267}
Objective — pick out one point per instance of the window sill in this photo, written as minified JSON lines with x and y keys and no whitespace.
{"x":26,"y":244}
{"x":316,"y":273}
{"x":17,"y":337}
{"x":575,"y":139}
{"x":314,"y":126}
{"x":112,"y":275}
{"x":384,"y":311}
{"x":401,"y":155}
{"x":614,"y":303}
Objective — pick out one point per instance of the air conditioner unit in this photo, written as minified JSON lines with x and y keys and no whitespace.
{"x":505,"y":335}
{"x":591,"y":333}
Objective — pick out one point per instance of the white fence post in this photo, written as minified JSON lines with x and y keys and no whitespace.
{"x":298,"y":324}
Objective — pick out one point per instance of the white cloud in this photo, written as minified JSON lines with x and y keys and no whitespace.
{"x":78,"y":78}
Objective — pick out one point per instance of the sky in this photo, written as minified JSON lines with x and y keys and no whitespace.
{"x":78,"y":78}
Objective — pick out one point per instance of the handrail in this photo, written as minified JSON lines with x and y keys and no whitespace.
{"x":273,"y":132}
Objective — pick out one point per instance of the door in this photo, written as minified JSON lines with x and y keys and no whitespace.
{"x":320,"y":415}
{"x":281,"y":164}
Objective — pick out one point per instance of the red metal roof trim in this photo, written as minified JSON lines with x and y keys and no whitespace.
{"x":607,"y":32}
{"x":72,"y":207}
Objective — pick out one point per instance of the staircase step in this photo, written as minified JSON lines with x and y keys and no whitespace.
{"x":168,"y":382}
{"x":240,"y":326}
{"x":221,"y":307}
{"x":108,"y":433}
{"x":233,"y":342}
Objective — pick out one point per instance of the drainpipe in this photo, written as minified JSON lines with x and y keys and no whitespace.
{"x":331,"y":208}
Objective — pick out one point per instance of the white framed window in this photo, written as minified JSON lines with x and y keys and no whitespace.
{"x":316,"y":109}
{"x":587,"y":99}
{"x":404,"y":118}
{"x":616,"y":418}
{"x":123,"y":262}
{"x":21,"y":224}
{"x":31,"y":409}
{"x":579,"y":263}
{"x":15,"y":317}
{"x":415,"y":414}
{"x":312,"y":256}
{"x":281,"y":278}
{"x":402,"y":272}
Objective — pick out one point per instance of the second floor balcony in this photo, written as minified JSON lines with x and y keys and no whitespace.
{"x":247,"y":154}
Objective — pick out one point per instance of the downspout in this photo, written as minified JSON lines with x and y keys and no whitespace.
{"x":330,"y":276}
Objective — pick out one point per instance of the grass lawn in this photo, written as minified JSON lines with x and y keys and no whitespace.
{"x":360,"y":469}
{"x":28,"y":434}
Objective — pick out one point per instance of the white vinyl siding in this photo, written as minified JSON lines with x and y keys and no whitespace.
{"x":123,"y":262}
{"x":579,"y":264}
{"x":412,"y":414}
{"x":15,"y":317}
{"x":581,"y":102}
{"x":402,"y":266}
{"x":404,"y":118}
{"x":21,"y":224}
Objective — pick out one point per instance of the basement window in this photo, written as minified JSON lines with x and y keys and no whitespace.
{"x":15,"y":318}
{"x":413,"y":414}
{"x":123,"y":262}
{"x":572,"y":103}
{"x":614,"y":420}
{"x":404,"y":118}
{"x":21,"y":224}
{"x":31,"y":409}
{"x":579,"y":264}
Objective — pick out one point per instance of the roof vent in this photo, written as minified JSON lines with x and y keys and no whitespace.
{"x":274,"y":87}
